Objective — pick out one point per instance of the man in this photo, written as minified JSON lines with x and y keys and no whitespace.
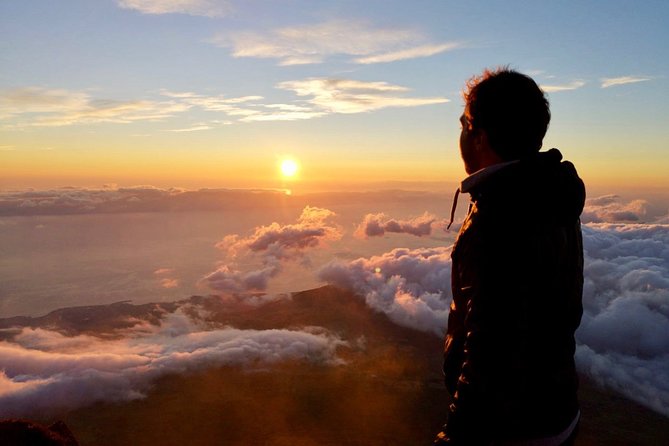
{"x":517,"y":277}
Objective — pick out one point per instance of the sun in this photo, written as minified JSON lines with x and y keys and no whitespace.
{"x":289,"y":168}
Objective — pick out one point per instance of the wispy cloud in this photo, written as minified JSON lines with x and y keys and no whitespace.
{"x":206,"y":8}
{"x":219,"y":103}
{"x":310,"y":44}
{"x":573,"y":85}
{"x":37,"y":106}
{"x":195,"y":128}
{"x":284,"y":112}
{"x":409,"y":53}
{"x":209,"y":125}
{"x":352,"y":96}
{"x":40,"y":100}
{"x":622,"y":80}
{"x":323,"y":96}
{"x":244,"y":106}
{"x":283,"y":116}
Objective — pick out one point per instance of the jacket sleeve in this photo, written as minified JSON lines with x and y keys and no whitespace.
{"x":488,"y":275}
{"x":454,"y":347}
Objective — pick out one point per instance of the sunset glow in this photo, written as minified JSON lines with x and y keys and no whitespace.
{"x":361,"y":95}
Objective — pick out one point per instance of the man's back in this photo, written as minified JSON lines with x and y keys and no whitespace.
{"x":517,"y":277}
{"x":517,"y":286}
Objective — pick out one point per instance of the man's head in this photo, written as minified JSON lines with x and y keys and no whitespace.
{"x":505,"y":110}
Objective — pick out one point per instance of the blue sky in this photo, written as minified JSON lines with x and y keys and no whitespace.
{"x":97,"y":91}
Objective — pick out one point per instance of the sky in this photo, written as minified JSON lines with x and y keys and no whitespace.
{"x":217,"y":94}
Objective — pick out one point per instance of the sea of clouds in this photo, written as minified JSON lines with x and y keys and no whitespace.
{"x":623,"y":341}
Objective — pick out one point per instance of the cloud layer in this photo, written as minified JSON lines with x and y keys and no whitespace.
{"x":112,"y":199}
{"x":42,"y":367}
{"x":624,"y":334}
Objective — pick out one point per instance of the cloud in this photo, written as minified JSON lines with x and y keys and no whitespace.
{"x":212,"y":124}
{"x":573,"y":85}
{"x":169,"y":283}
{"x":624,"y":334}
{"x":611,"y":209}
{"x":309,"y":44}
{"x":284,"y":112}
{"x":273,"y":243}
{"x":195,"y":128}
{"x":229,"y":280}
{"x":287,"y":241}
{"x":283,"y":116}
{"x":40,"y":100}
{"x":211,"y":103}
{"x":44,"y":370}
{"x":412,"y":287}
{"x":409,"y":53}
{"x":206,"y":8}
{"x":163,"y":271}
{"x":376,"y":225}
{"x":39,"y":106}
{"x":623,"y":80}
{"x":352,"y":96}
{"x":165,"y":278}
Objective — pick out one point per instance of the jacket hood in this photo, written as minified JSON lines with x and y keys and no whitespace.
{"x":542,"y":184}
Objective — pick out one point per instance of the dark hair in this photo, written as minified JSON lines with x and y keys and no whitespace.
{"x":512,"y":110}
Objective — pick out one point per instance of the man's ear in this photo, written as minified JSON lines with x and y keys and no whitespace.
{"x":481,"y":142}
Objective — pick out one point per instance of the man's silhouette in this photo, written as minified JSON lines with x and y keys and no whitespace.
{"x":517,"y":276}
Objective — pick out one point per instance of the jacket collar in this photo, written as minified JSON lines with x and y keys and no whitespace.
{"x":475,"y":180}
{"x":480,"y":176}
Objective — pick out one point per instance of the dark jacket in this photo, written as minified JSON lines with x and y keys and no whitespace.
{"x":517,"y":284}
